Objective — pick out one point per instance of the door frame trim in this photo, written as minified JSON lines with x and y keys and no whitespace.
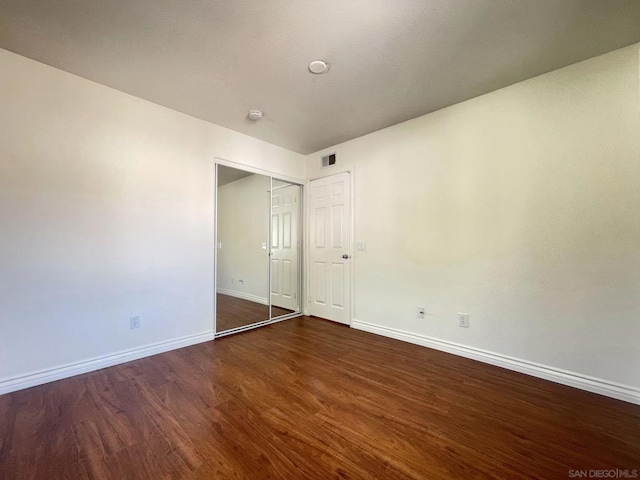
{"x":261,"y":171}
{"x":352,"y":230}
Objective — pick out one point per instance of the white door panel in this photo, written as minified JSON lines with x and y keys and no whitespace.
{"x":284,"y":247}
{"x":330,"y":242}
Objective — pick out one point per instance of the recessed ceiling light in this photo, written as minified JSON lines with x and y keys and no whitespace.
{"x":255,"y":114}
{"x":318,"y":66}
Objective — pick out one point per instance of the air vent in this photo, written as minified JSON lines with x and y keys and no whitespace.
{"x":329,"y":160}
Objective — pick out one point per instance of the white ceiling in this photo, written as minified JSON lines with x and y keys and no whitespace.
{"x":391,"y":60}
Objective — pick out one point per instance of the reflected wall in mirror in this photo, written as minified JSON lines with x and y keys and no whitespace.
{"x":285,"y":248}
{"x":242,"y":276}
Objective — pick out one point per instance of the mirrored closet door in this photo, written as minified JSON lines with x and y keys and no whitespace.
{"x":258,"y":250}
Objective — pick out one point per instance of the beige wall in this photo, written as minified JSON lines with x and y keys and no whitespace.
{"x":106,"y":211}
{"x":520,"y":207}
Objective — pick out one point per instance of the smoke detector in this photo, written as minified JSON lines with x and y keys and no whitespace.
{"x":255,"y":115}
{"x":318,"y":67}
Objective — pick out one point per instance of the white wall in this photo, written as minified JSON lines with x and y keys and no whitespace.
{"x":106,"y":211}
{"x":243,"y":227}
{"x":520,"y":207}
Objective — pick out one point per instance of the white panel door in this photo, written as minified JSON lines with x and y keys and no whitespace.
{"x":285,"y":247}
{"x":330,"y":247}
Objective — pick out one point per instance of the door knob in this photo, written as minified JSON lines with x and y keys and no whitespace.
{"x":345,"y":256}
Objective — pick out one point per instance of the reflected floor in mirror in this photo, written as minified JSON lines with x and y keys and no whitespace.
{"x":235,"y":312}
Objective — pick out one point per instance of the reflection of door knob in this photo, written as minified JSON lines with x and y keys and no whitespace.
{"x":345,"y":256}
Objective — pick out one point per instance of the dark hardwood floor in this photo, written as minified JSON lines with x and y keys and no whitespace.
{"x":310,"y":399}
{"x":233,"y":312}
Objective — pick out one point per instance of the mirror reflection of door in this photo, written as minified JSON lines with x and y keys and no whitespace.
{"x":242,"y":276}
{"x":285,"y":248}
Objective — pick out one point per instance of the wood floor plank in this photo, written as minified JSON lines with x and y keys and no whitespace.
{"x":307,"y":398}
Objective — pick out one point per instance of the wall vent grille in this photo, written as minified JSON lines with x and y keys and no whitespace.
{"x":329,"y":160}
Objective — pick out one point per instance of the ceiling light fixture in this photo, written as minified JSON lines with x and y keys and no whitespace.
{"x":255,"y":115}
{"x":318,"y":67}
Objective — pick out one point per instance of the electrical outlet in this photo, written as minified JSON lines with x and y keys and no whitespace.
{"x":463,"y":320}
{"x":421,"y":312}
{"x":134,"y":322}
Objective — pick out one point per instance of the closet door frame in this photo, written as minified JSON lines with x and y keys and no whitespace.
{"x":272,"y":176}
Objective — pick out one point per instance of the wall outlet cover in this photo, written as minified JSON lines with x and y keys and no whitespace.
{"x":463,"y":320}
{"x":134,"y":322}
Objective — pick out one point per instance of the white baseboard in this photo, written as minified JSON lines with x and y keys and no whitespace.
{"x":58,"y":373}
{"x":576,"y":380}
{"x":244,"y":296}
